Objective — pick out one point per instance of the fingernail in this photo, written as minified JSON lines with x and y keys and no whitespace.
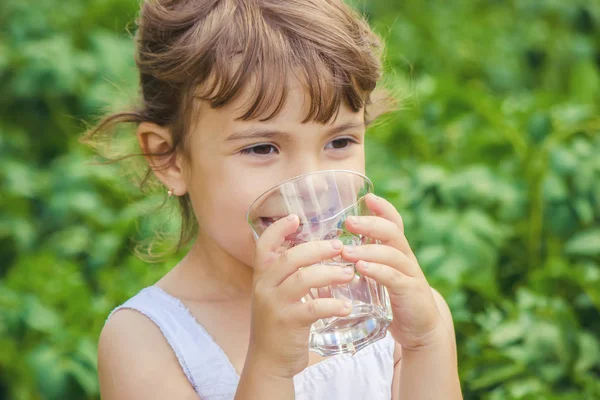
{"x":353,"y":220}
{"x":291,"y":217}
{"x":336,"y":244}
{"x":348,"y":305}
{"x":375,"y":197}
{"x":350,"y":249}
{"x":365,"y":265}
{"x":349,"y":270}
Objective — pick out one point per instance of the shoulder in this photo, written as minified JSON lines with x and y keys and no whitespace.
{"x":136,"y":362}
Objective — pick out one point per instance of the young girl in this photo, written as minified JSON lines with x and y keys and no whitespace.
{"x":237,"y":96}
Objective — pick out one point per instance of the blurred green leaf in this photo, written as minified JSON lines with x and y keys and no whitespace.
{"x":585,"y":81}
{"x":41,"y":318}
{"x":589,"y":350}
{"x":586,"y":243}
{"x":49,"y":370}
{"x":85,"y":377}
{"x":539,"y":127}
{"x":508,"y":333}
{"x":497,"y":375}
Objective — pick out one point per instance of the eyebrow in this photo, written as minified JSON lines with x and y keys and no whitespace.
{"x":261,"y":133}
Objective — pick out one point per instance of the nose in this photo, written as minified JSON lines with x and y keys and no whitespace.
{"x":316,"y":193}
{"x":312,"y":196}
{"x":302,"y":164}
{"x":313,"y":186}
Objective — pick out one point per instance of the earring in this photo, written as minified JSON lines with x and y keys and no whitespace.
{"x":170,"y":192}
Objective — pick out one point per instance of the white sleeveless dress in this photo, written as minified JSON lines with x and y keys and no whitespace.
{"x":366,"y":375}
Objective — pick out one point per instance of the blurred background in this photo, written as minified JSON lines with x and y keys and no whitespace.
{"x":494,"y":162}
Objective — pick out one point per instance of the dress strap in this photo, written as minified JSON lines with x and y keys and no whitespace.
{"x":206,"y":367}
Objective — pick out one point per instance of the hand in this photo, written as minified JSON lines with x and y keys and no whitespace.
{"x":417,"y":321}
{"x":280,"y":322}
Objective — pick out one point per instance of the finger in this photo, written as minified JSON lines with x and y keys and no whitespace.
{"x":303,"y":255}
{"x":376,"y":228}
{"x":305,"y":314}
{"x":268,"y":246}
{"x":384,"y":209}
{"x":382,"y":254}
{"x":317,"y":276}
{"x":395,"y":281}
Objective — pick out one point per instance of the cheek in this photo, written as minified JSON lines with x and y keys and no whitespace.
{"x":352,"y":160}
{"x":231,"y":233}
{"x":221,"y":203}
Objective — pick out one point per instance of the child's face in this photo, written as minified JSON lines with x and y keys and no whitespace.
{"x":233,"y":162}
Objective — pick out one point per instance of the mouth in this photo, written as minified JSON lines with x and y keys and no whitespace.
{"x":292,"y":238}
{"x":300,"y":236}
{"x":268,"y":221}
{"x":308,"y":218}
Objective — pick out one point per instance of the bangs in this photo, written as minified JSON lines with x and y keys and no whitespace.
{"x":263,"y":72}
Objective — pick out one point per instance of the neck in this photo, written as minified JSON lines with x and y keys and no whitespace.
{"x":209,"y":272}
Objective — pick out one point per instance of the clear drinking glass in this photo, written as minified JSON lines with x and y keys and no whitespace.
{"x":323,"y":200}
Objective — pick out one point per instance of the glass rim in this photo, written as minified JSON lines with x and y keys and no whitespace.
{"x":298,"y":177}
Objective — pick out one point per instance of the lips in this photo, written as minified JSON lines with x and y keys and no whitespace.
{"x":307,"y":217}
{"x":310,"y":219}
{"x":305,"y":231}
{"x":267,"y":221}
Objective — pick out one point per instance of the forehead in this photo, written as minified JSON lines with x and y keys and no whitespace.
{"x":290,"y":115}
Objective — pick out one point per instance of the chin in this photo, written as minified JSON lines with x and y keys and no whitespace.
{"x":242,"y":250}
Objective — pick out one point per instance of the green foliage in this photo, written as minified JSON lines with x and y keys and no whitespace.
{"x":494,"y":163}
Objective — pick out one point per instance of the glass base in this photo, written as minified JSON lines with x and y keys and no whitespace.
{"x":366,"y":325}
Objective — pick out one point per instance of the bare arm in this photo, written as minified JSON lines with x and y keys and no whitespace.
{"x":430,"y":373}
{"x":256,"y":382}
{"x":135,"y":362}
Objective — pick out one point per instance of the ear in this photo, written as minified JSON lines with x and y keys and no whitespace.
{"x":155,"y":142}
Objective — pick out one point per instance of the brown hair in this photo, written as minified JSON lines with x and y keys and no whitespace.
{"x":211,"y":49}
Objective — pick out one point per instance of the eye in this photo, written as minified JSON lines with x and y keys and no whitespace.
{"x":260,"y":150}
{"x":340,"y":143}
